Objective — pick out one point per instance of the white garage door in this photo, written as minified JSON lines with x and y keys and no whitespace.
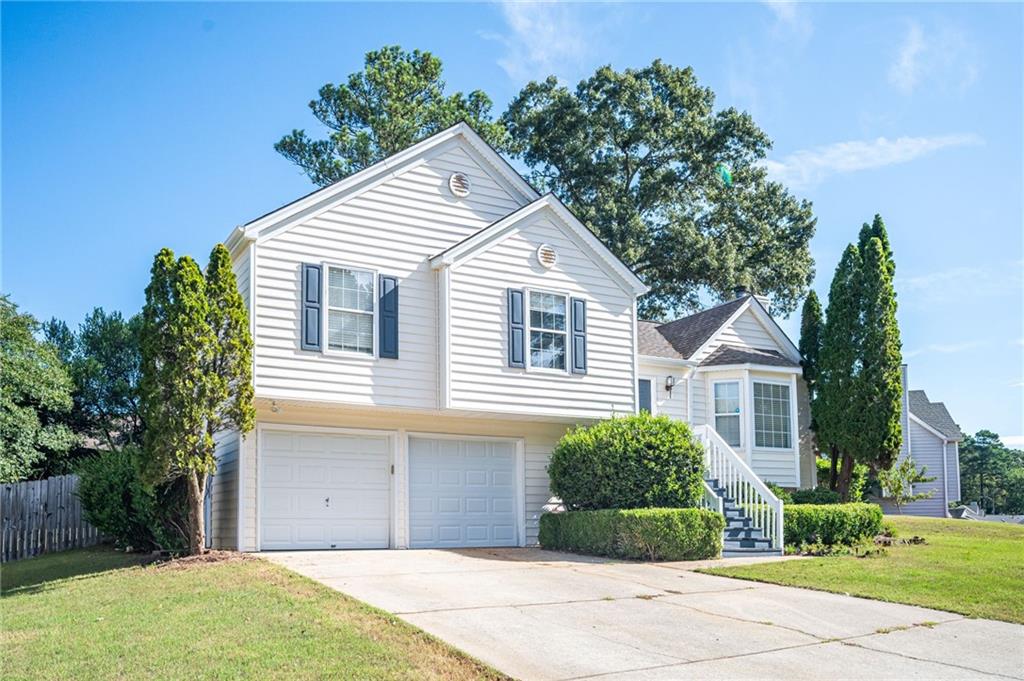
{"x":322,"y":491}
{"x":462,"y":493}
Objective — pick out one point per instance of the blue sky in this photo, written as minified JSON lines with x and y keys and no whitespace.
{"x":128,"y":127}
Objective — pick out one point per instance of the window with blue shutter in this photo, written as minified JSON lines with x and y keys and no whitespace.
{"x":644,"y":388}
{"x":311,"y":314}
{"x":516,"y":329}
{"x":388,"y":320}
{"x":579,"y":336}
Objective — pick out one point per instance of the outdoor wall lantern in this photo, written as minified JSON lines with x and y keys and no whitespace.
{"x":670,"y":382}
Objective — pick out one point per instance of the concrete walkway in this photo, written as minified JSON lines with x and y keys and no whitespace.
{"x":541,"y":615}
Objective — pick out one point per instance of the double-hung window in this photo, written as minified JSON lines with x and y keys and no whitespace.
{"x":727,"y":411}
{"x":350,"y":310}
{"x":547,"y":330}
{"x":772,"y":425}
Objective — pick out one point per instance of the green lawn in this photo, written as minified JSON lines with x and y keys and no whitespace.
{"x":972,"y":568}
{"x":85,"y":615}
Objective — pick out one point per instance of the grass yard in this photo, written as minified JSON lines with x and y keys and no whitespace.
{"x":971,"y":568}
{"x":97,"y":614}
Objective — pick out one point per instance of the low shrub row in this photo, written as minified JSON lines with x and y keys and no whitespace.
{"x":638,"y":534}
{"x":831,"y":524}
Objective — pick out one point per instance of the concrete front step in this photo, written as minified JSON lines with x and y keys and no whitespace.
{"x":747,"y":553}
{"x":743,"y":533}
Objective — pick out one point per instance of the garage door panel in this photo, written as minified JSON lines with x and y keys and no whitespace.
{"x":461,"y":493}
{"x":324,"y":491}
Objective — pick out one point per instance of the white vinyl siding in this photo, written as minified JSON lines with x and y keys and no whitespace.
{"x":392,"y":229}
{"x":953,"y":470}
{"x":223,"y":529}
{"x":674,"y":405}
{"x":745,"y":332}
{"x":480,"y":376}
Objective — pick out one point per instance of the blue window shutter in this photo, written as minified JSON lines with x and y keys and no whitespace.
{"x":312,"y":308}
{"x":516,"y":329}
{"x":644,"y":387}
{"x":579,"y":336}
{"x":387,"y":310}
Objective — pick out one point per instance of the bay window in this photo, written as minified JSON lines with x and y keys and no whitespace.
{"x":727,"y":411}
{"x":772,"y":421}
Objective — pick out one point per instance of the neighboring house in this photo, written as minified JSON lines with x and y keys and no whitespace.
{"x":932,"y":439}
{"x":426,"y":330}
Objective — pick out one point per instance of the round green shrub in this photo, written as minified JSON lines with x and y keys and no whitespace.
{"x":831,"y":524}
{"x":818,"y":495}
{"x":640,"y":461}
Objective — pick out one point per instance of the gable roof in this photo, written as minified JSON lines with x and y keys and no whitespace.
{"x":730,"y":354}
{"x":687,"y":334}
{"x":652,"y":343}
{"x":321,"y":199}
{"x":506,"y":226}
{"x":934,"y":414}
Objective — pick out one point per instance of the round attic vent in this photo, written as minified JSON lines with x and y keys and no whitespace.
{"x":458,"y":183}
{"x":547,"y":256}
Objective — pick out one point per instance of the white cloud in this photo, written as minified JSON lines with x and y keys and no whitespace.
{"x":791,"y":18}
{"x":1013,"y":441}
{"x":943,"y":57}
{"x":961,"y":284}
{"x":543,"y":39}
{"x":808,"y":167}
{"x":945,"y":348}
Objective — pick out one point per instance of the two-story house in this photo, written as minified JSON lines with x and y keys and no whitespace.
{"x":426,"y":330}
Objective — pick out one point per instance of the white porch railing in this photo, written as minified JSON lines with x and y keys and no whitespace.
{"x":742,"y":485}
{"x":710,"y":500}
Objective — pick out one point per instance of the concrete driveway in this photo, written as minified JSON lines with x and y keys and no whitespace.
{"x":541,"y":615}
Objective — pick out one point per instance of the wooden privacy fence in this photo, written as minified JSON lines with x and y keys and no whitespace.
{"x":42,"y":516}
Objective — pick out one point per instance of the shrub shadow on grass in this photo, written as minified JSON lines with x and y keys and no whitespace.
{"x":33,"y":574}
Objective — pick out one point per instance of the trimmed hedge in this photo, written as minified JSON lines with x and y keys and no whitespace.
{"x":639,"y":461}
{"x":638,"y":534}
{"x":819,"y":495}
{"x":831,"y":524}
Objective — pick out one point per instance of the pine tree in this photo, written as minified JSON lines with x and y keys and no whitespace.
{"x":879,"y":397}
{"x":838,"y":364}
{"x":877,"y":230}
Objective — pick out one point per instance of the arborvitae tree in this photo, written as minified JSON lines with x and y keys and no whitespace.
{"x":877,"y":230}
{"x":229,"y":365}
{"x":878,"y":399}
{"x":839,"y":364}
{"x":196,"y":373}
{"x":810,"y":350}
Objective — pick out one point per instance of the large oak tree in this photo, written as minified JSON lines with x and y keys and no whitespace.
{"x":675,"y":188}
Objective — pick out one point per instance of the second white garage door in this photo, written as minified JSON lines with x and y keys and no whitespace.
{"x":462,"y":493}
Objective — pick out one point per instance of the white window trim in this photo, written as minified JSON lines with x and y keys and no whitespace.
{"x":529,"y":331}
{"x":739,"y":397}
{"x":325,"y":297}
{"x":753,"y":411}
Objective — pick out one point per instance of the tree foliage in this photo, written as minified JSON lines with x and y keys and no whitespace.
{"x":637,"y":156}
{"x":103,"y":359}
{"x":397,"y":100}
{"x":811,"y":329}
{"x":35,"y":398}
{"x":196,"y":373}
{"x":898,"y":483}
{"x":991,"y":473}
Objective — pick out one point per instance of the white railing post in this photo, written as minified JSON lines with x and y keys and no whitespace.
{"x":742,"y":485}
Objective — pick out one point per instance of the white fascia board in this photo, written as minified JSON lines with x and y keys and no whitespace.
{"x":666,"y":361}
{"x":322,"y":199}
{"x":767,"y":368}
{"x":507,"y":226}
{"x":237,"y":241}
{"x":918,"y":421}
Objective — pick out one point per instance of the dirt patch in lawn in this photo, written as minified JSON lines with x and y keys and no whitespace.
{"x":207,"y":558}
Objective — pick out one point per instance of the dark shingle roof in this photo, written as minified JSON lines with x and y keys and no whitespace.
{"x":686,"y":335}
{"x":934,"y":414}
{"x":728,"y":354}
{"x":651,"y":342}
